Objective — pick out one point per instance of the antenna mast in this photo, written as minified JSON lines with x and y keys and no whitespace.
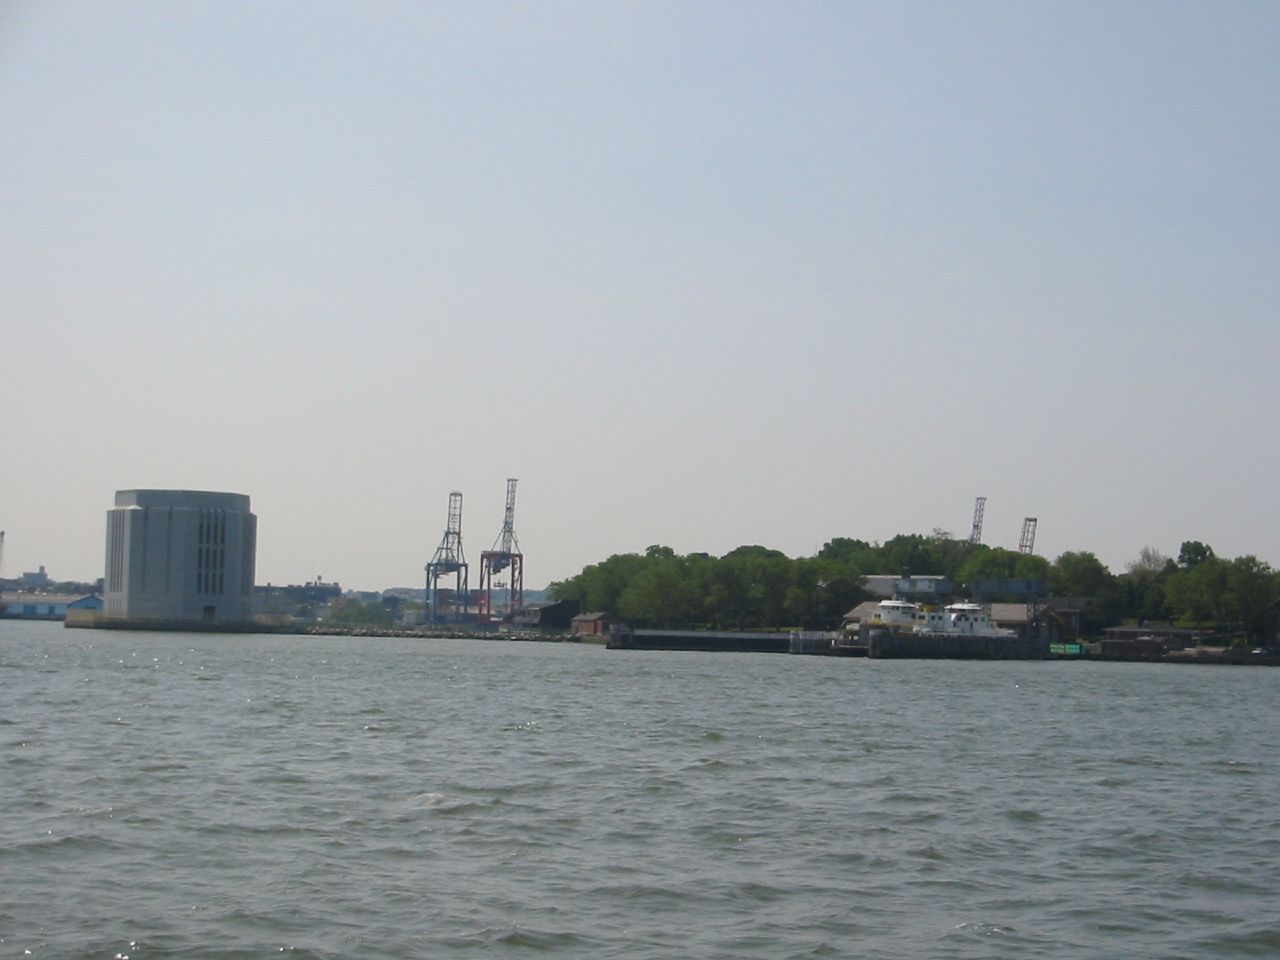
{"x":979,"y":507}
{"x":1027,"y":542}
{"x":504,"y":555}
{"x":447,"y":559}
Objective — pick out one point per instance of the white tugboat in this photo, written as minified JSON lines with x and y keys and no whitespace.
{"x":961,"y":631}
{"x":961,"y":620}
{"x":897,"y":616}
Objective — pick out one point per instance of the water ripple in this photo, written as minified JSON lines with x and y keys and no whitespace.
{"x":172,"y":796}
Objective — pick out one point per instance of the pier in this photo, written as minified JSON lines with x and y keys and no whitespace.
{"x":950,"y":646}
{"x":710,"y":641}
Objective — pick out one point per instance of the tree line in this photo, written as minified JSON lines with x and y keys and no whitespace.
{"x":757,"y":587}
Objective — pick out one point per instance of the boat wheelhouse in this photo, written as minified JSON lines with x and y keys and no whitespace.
{"x":897,"y":616}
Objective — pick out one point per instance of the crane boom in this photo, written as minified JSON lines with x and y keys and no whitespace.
{"x":1027,"y":542}
{"x":979,"y":507}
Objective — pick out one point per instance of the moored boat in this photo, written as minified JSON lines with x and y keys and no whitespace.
{"x":897,"y":616}
{"x":961,"y":620}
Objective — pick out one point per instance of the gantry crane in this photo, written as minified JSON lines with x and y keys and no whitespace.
{"x":449,"y":559}
{"x":504,"y":555}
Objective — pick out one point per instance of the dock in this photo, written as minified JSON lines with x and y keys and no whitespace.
{"x":708,"y":641}
{"x":950,"y":646}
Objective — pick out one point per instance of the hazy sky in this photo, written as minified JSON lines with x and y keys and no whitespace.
{"x":699,"y":274}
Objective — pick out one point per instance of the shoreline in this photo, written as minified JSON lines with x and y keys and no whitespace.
{"x":690,"y":642}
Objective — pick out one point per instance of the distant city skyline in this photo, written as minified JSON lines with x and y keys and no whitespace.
{"x":699,"y":275}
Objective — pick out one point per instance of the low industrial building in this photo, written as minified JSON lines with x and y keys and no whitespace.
{"x":547,"y":617}
{"x":591,"y":624}
{"x":45,"y":606}
{"x":928,"y":589}
{"x":1007,"y":590}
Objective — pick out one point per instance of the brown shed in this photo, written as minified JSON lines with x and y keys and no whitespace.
{"x":590,"y":625}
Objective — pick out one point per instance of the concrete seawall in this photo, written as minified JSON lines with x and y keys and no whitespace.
{"x":708,"y":641}
{"x":938,"y":646}
{"x":94,"y":620}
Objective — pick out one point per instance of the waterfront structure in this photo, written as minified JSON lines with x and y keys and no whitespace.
{"x":865,"y":611}
{"x":180,"y":556}
{"x":591,"y":624}
{"x":551,"y":616}
{"x":46,"y":606}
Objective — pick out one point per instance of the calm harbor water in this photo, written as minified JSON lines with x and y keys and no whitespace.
{"x":176,"y":795}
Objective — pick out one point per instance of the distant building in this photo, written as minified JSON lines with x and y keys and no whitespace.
{"x":863,"y":612}
{"x":925,"y":588}
{"x":881,"y":584}
{"x":1028,"y":620}
{"x":34,"y":580}
{"x":394,"y":607}
{"x":46,"y":606}
{"x":1008,"y":590}
{"x":546,"y":616}
{"x":590,"y":625}
{"x":180,"y":555}
{"x":308,"y":601}
{"x":1078,"y":616}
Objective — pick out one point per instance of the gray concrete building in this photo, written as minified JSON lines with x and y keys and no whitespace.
{"x":180,"y":555}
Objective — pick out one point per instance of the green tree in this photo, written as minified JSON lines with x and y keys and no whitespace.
{"x":1194,"y":553}
{"x":754,"y":552}
{"x":1080,"y":574}
{"x":648,"y":598}
{"x":1200,"y":593}
{"x":1256,"y":589}
{"x":848,"y":552}
{"x":763,"y":578}
{"x":801,"y":601}
{"x":354,"y":613}
{"x":598,"y":586}
{"x":840,"y":589}
{"x":909,"y":553}
{"x":1141,"y":588}
{"x":1230,"y":594}
{"x":997,"y":563}
{"x":1151,"y":562}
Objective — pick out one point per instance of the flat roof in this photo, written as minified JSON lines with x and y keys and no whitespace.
{"x":207,"y":499}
